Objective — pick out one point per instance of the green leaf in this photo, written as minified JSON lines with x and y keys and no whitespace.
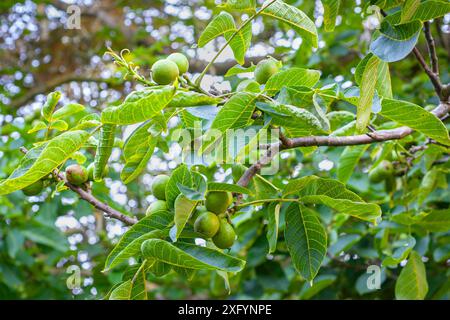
{"x":427,"y":10}
{"x":218,"y":186}
{"x":190,"y":256}
{"x":14,"y":241}
{"x":122,"y":292}
{"x":367,"y":92}
{"x":294,"y":18}
{"x":42,"y":160}
{"x":50,"y":105}
{"x":415,"y":117}
{"x":291,"y":78}
{"x":186,"y":99}
{"x":396,"y":42}
{"x":37,"y":126}
{"x":46,"y":236}
{"x":180,"y":175}
{"x":183,"y":211}
{"x":409,"y":9}
{"x":412,"y":283}
{"x":306,"y":240}
{"x":238,"y":69}
{"x":400,"y":253}
{"x":339,"y":118}
{"x":67,"y":110}
{"x":137,"y":150}
{"x":104,"y":149}
{"x":59,"y":125}
{"x":240,"y":5}
{"x":344,"y":243}
{"x":427,"y":185}
{"x":382,"y":79}
{"x":436,"y":221}
{"x":348,"y":161}
{"x":136,"y":235}
{"x":333,"y":194}
{"x":235,"y":113}
{"x":331,"y":10}
{"x":297,"y":121}
{"x":139,"y":106}
{"x":224,"y":25}
{"x":272,"y":226}
{"x":320,"y":283}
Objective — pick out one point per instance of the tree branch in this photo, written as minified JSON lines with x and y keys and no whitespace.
{"x":433,"y":76}
{"x":87,"y":196}
{"x":377,"y":136}
{"x":431,"y":48}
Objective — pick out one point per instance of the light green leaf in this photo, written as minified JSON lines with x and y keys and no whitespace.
{"x":185,"y":99}
{"x":139,"y":106}
{"x":400,"y":253}
{"x":412,"y":283}
{"x":183,"y":211}
{"x":348,"y":161}
{"x":59,"y":125}
{"x":291,"y":78}
{"x":67,"y":110}
{"x":240,"y":5}
{"x":427,"y":10}
{"x":122,"y":292}
{"x":306,"y":240}
{"x":50,"y":105}
{"x":137,"y":151}
{"x":126,"y":246}
{"x":383,"y":77}
{"x":224,"y":25}
{"x":367,"y":92}
{"x":191,"y":256}
{"x":42,"y":160}
{"x":293,"y":17}
{"x":427,"y":185}
{"x":331,"y":10}
{"x":238,"y":69}
{"x":182,"y":176}
{"x":37,"y":126}
{"x":297,"y":121}
{"x":409,"y":9}
{"x":272,"y":226}
{"x":104,"y":150}
{"x":333,"y":194}
{"x":436,"y":221}
{"x":320,"y":283}
{"x":415,"y":117}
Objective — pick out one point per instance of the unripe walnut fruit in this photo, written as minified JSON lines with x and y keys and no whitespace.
{"x":265,"y":69}
{"x":33,"y":189}
{"x":159,"y":186}
{"x":76,"y":174}
{"x":181,"y":61}
{"x":218,"y":201}
{"x":207,"y":224}
{"x":165,"y":72}
{"x":224,"y":238}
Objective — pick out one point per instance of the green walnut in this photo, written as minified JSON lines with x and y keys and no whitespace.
{"x":181,"y":61}
{"x":91,"y":169}
{"x":207,"y":224}
{"x":218,"y":201}
{"x":248,"y":85}
{"x":165,"y":72}
{"x":76,"y":174}
{"x":198,"y":211}
{"x":33,"y":189}
{"x":159,"y":186}
{"x":225,"y":237}
{"x":381,"y":172}
{"x":265,"y":69}
{"x":158,"y":205}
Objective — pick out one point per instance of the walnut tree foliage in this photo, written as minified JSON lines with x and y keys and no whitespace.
{"x":361,"y":103}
